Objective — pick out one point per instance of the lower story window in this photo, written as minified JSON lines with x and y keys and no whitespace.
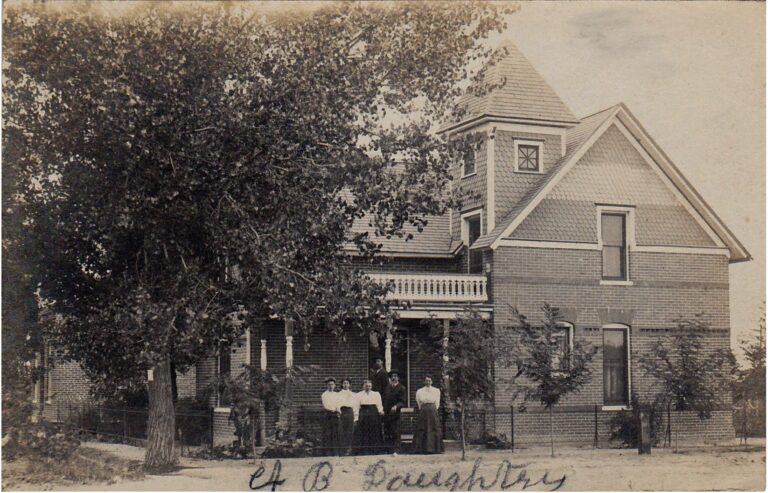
{"x":615,"y":366}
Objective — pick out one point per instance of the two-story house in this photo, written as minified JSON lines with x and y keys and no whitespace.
{"x":587,"y":214}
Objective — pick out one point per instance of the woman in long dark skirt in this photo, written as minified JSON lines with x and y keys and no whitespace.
{"x":349,"y":408}
{"x":427,"y":437}
{"x":368,"y":431}
{"x":330,"y":418}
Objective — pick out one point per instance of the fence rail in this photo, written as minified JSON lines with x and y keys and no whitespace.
{"x":434,"y":287}
{"x":129,"y":425}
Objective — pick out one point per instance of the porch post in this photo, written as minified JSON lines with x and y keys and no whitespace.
{"x":36,"y":392}
{"x":263,"y":355}
{"x":289,"y":344}
{"x":446,"y":334}
{"x":388,"y":348}
{"x":248,"y":346}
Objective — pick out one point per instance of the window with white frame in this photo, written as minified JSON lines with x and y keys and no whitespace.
{"x":469,"y":166}
{"x":615,"y":227}
{"x":528,"y":156}
{"x":616,"y":373}
{"x":562,"y":346}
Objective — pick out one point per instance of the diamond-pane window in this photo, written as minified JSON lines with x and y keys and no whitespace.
{"x":527,"y":157}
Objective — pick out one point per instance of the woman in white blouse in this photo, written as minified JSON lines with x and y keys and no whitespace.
{"x":427,"y":437}
{"x":368,"y":430}
{"x":349,"y":407}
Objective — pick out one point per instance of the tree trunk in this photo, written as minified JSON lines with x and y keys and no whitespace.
{"x":551,"y":432}
{"x":161,"y":453}
{"x":461,"y":428}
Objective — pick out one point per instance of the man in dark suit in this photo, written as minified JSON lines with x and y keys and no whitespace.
{"x":393,"y":399}
{"x":379,"y":378}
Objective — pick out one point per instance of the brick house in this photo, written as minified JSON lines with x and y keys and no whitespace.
{"x":587,"y":214}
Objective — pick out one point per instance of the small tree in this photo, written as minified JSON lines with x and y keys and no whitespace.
{"x":551,"y":370}
{"x":749,"y":386}
{"x":254,"y":391}
{"x":692,"y":377}
{"x":468,"y":355}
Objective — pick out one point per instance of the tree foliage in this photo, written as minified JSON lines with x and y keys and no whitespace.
{"x":188,"y":172}
{"x":549,"y":374}
{"x":693,"y":377}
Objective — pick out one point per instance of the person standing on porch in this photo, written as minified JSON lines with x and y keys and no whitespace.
{"x":427,"y":437}
{"x":349,"y":408}
{"x":368,"y":431}
{"x":331,"y":415}
{"x":393,"y":400}
{"x":379,"y":378}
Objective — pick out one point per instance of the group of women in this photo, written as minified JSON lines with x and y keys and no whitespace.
{"x":352,"y":421}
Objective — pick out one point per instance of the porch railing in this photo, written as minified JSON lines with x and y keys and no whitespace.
{"x":434,"y":287}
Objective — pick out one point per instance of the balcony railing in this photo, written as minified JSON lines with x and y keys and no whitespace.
{"x":434,"y":287}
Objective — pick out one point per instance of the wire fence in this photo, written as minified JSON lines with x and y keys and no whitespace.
{"x":129,"y":425}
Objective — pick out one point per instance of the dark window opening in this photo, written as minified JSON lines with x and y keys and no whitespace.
{"x":475,"y":256}
{"x":469,"y":162}
{"x":225,"y":370}
{"x":615,"y":374}
{"x":561,"y":355}
{"x":614,"y":235}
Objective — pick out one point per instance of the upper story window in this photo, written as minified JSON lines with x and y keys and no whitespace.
{"x":614,"y":235}
{"x":528,"y":156}
{"x":471,"y":229}
{"x":469,"y":167}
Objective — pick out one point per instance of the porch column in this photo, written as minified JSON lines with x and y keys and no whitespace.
{"x":388,"y":348}
{"x":263,"y":355}
{"x":36,"y":392}
{"x":289,"y":344}
{"x":446,"y":334}
{"x":248,"y":346}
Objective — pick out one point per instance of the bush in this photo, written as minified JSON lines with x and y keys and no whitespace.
{"x":625,"y":425}
{"x":192,"y":421}
{"x":40,"y":441}
{"x":496,"y":441}
{"x":289,"y":445}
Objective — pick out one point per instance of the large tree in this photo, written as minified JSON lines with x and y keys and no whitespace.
{"x":187,"y":172}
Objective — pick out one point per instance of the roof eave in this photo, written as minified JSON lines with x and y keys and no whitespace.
{"x":476,"y":120}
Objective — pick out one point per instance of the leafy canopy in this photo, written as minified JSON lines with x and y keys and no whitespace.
{"x":187,"y":172}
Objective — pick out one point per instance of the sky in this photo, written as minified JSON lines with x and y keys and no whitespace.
{"x":694,"y":75}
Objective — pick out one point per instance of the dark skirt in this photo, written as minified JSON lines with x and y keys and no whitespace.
{"x":346,"y":428}
{"x":330,"y":432}
{"x":368,"y":431}
{"x":427,"y":437}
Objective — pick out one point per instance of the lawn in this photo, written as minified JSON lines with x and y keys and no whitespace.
{"x":700,"y":468}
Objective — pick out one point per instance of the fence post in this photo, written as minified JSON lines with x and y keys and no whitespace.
{"x":125,"y":425}
{"x":596,"y":438}
{"x":512,"y":426}
{"x":669,"y":423}
{"x":444,"y":420}
{"x":211,"y":421}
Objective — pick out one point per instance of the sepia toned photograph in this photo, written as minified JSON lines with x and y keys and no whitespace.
{"x":383,"y":246}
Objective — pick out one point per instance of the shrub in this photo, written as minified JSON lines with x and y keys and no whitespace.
{"x":192,"y":421}
{"x":625,"y":425}
{"x":40,"y":441}
{"x":283,"y":446}
{"x":496,"y":441}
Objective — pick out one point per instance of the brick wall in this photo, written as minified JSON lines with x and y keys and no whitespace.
{"x":666,"y":287}
{"x":395,"y":264}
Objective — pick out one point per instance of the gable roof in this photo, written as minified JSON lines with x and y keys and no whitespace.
{"x":579,"y":140}
{"x":575,"y":140}
{"x":518,"y":92}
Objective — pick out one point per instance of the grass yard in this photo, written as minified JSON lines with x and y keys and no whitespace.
{"x":87,"y":466}
{"x":701,"y":468}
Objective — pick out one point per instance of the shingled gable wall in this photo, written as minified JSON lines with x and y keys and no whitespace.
{"x":666,"y":286}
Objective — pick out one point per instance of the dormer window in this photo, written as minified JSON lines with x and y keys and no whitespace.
{"x":528,"y":156}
